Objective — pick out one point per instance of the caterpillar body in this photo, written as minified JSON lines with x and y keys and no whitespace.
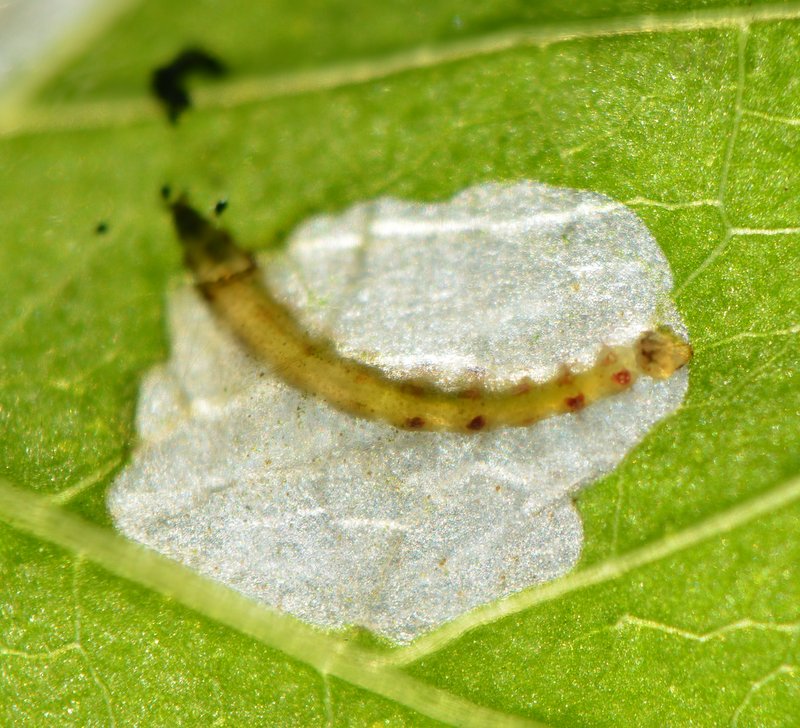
{"x":229,"y":279}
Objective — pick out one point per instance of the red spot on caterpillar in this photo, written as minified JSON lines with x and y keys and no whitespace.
{"x":575,"y":403}
{"x":622,"y":377}
{"x":523,"y":387}
{"x":415,"y":423}
{"x":476,"y":423}
{"x":471,"y":393}
{"x":565,"y":377}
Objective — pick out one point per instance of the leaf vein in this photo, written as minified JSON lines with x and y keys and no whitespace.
{"x":261,"y":88}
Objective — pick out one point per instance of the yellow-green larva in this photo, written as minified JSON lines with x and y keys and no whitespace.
{"x":229,"y":279}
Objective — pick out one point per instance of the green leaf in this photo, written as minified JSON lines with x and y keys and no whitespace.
{"x":684,"y":609}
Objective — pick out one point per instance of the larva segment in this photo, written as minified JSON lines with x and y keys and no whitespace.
{"x":229,"y":279}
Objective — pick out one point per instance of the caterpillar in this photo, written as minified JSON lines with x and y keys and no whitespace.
{"x":229,"y":279}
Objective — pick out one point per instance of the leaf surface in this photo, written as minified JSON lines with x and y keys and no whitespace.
{"x":684,"y":609}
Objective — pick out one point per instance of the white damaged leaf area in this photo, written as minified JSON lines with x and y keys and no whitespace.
{"x":343,"y":521}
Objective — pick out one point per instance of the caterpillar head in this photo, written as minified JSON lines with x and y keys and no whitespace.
{"x":662,"y":352}
{"x":208,"y":250}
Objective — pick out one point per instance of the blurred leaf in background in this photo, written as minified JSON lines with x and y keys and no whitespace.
{"x":684,"y":609}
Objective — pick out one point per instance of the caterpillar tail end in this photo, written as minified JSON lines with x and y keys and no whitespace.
{"x":662,"y":352}
{"x":208,"y":251}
